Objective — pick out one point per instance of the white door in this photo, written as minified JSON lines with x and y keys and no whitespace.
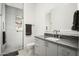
{"x":13,"y":38}
{"x":51,"y":49}
{"x":0,"y":29}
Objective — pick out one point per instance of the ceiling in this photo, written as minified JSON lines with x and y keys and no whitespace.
{"x":17,"y":5}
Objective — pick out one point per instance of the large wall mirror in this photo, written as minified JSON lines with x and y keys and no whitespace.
{"x":60,"y":17}
{"x":50,"y":20}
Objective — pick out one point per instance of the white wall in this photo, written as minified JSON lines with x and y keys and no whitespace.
{"x":63,"y":17}
{"x":29,"y":18}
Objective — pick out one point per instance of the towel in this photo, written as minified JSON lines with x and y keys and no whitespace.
{"x":4,"y":37}
{"x":76,"y":21}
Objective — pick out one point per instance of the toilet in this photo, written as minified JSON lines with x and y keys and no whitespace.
{"x":28,"y":50}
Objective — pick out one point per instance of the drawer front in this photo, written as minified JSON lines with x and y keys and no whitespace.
{"x":65,"y":51}
{"x":39,"y":42}
{"x":51,"y":49}
{"x":40,"y":50}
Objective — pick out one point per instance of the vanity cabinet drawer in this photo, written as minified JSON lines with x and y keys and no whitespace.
{"x":66,"y":51}
{"x":51,"y":49}
{"x":40,"y":48}
{"x":39,"y":42}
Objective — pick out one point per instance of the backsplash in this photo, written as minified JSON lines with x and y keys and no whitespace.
{"x":65,"y":32}
{"x":60,"y":36}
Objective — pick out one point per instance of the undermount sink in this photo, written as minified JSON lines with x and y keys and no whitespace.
{"x":52,"y":39}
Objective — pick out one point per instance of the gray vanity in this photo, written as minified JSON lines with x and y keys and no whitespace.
{"x":56,"y":45}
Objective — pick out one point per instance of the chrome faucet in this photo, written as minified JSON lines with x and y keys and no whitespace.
{"x":56,"y":32}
